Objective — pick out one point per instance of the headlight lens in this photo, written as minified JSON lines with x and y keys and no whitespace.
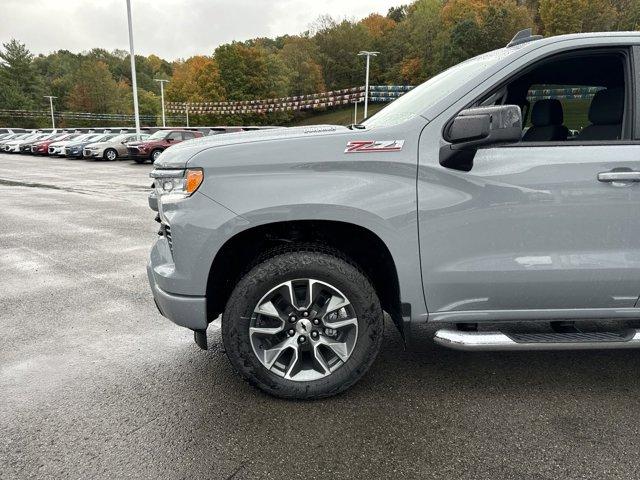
{"x":177,"y":184}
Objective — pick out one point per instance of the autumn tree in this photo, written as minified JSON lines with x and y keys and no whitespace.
{"x":300,"y":56}
{"x":472,"y":27}
{"x":250,"y":72}
{"x":627,"y":15}
{"x":195,"y":80}
{"x":572,"y":16}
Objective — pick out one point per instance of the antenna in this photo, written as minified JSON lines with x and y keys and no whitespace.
{"x":524,"y":36}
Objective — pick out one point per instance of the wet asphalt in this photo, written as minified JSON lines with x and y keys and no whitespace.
{"x":94,"y":383}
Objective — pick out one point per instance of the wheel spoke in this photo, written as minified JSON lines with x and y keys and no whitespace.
{"x":339,"y":348}
{"x":294,"y":362}
{"x":342,"y":323}
{"x":286,"y":290}
{"x":266,"y":330}
{"x":270,"y":356}
{"x":268,"y":309}
{"x":336,"y":303}
{"x":317,"y":354}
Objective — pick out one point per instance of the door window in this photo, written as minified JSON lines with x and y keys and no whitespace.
{"x":575,"y":97}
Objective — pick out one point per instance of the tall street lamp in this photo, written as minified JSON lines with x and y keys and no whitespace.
{"x":53,"y":120}
{"x":162,"y":81}
{"x":134,"y":81}
{"x":355,"y":113}
{"x":366,"y":87}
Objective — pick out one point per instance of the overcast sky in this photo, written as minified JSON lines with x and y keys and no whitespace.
{"x":169,"y":28}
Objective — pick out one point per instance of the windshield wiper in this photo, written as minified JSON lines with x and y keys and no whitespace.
{"x":357,"y":126}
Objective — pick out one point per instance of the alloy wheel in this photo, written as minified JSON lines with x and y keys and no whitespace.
{"x":303,"y":330}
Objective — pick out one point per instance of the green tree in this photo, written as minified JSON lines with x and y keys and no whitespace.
{"x":251,"y":72}
{"x":94,"y":89}
{"x":300,"y":56}
{"x":20,"y":84}
{"x":338,"y":45}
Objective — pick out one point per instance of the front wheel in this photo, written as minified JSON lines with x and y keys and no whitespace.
{"x":110,"y":154}
{"x":303,"y":324}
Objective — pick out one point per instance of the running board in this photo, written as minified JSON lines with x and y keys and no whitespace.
{"x":497,"y":341}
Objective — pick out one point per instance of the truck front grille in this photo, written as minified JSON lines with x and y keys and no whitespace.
{"x":167,"y":235}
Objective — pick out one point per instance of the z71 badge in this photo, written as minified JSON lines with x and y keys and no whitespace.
{"x":374,"y":146}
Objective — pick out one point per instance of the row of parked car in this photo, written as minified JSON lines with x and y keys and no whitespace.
{"x":104,"y":145}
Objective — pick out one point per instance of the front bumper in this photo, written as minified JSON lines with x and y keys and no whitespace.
{"x":73,"y":153}
{"x":86,"y":153}
{"x":135,"y":152}
{"x":192,"y":232}
{"x":186,"y":311}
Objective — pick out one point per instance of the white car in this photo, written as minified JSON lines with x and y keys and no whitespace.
{"x":13,"y":146}
{"x":57,"y":148}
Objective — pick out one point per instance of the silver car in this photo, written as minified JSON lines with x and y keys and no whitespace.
{"x":113,"y":148}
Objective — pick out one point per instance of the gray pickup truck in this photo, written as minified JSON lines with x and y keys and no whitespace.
{"x":494,"y":207}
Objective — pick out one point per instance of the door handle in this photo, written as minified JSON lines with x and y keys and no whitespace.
{"x":619,"y":176}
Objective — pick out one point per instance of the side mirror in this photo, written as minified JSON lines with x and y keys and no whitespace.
{"x":170,"y":140}
{"x":477,"y":127}
{"x":480,"y":127}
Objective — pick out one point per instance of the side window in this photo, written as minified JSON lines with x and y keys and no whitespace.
{"x":188,"y":135}
{"x":176,"y":136}
{"x":574,"y":100}
{"x":575,"y":97}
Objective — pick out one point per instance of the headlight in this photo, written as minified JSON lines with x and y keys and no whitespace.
{"x":177,"y":184}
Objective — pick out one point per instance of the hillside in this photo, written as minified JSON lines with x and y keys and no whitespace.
{"x":338,"y":116}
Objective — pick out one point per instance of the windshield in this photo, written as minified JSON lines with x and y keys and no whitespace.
{"x":435,"y":89}
{"x":120,"y":138}
{"x":159,"y":135}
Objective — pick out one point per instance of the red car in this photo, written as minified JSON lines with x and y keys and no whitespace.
{"x":152,"y":147}
{"x":42,"y":147}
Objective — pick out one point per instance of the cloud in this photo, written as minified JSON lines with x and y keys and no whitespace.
{"x":169,"y":28}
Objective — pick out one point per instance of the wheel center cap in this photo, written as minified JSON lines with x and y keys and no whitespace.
{"x":304,"y":326}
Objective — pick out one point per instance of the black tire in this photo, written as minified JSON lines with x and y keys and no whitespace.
{"x":302,"y":263}
{"x":155,"y":154}
{"x":110,"y":152}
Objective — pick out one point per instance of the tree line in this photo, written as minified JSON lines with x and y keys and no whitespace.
{"x":415,"y":41}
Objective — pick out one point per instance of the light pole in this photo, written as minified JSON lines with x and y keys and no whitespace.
{"x":53,"y":120}
{"x":366,"y":87}
{"x":162,"y":81}
{"x":355,"y":113}
{"x":186,"y":109}
{"x":134,"y":81}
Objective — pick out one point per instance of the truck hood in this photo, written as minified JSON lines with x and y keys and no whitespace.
{"x":179,"y":154}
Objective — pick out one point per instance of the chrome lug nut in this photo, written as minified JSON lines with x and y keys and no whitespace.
{"x":306,"y":314}
{"x":302,"y":339}
{"x":314,"y":335}
{"x":291,"y":332}
{"x":293,"y":319}
{"x":316,"y":321}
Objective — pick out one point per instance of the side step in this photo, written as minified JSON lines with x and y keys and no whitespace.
{"x":498,"y":341}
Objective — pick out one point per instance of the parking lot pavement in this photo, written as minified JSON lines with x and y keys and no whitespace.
{"x":94,"y":383}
